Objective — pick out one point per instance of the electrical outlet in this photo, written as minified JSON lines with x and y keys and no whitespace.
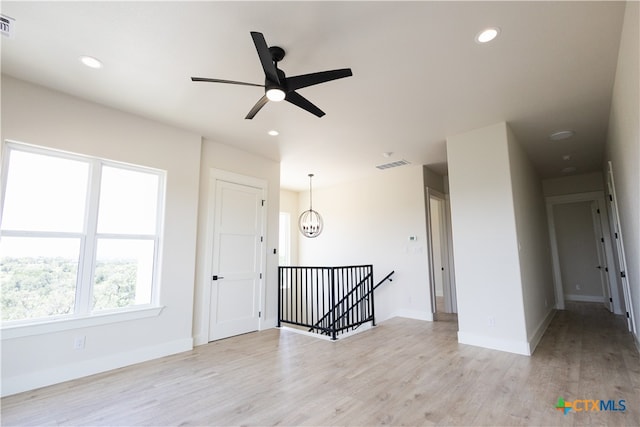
{"x":578,"y":287}
{"x":492,"y":321}
{"x":78,"y":343}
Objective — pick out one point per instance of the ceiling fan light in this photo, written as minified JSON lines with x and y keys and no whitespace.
{"x":275,"y":94}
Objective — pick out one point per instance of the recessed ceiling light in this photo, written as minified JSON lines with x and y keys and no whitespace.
{"x":562,"y":134}
{"x":487,"y":35}
{"x":91,"y":62}
{"x":273,"y":132}
{"x":569,"y":169}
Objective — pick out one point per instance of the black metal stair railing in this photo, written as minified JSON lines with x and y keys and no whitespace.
{"x":327,"y":300}
{"x":348,"y":304}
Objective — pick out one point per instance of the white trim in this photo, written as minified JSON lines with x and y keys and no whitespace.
{"x":584,"y":298}
{"x":305,"y":333}
{"x":451,"y":263}
{"x":542,"y":327}
{"x":362,"y":328}
{"x":622,"y":258}
{"x":555,"y":259}
{"x":50,"y":326}
{"x":602,"y":257}
{"x":71,"y":371}
{"x":518,"y":347}
{"x":575,"y":197}
{"x":413,"y":314}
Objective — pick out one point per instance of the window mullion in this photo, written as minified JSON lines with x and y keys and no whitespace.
{"x":84,"y":291}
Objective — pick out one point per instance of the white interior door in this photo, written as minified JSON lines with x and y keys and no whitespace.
{"x":442,"y":289}
{"x":614,"y":217}
{"x":602,"y":267}
{"x":237,"y":260}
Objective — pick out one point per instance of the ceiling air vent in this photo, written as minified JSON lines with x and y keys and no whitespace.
{"x":393,"y":164}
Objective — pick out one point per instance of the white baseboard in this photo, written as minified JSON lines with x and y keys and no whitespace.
{"x":200,"y":340}
{"x":542,"y":327}
{"x":584,"y":298}
{"x":362,"y":328}
{"x":305,"y":332}
{"x":414,"y":314}
{"x":33,"y":380}
{"x":518,"y":347}
{"x":269,"y":323}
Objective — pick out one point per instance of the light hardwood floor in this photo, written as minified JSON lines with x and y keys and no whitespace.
{"x":403,"y":372}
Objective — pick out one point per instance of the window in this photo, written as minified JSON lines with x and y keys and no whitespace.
{"x":78,"y":235}
{"x":285,"y":239}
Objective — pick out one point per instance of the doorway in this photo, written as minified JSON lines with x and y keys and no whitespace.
{"x":577,"y":247}
{"x":581,"y":250}
{"x":236,"y":253}
{"x":442,"y":288}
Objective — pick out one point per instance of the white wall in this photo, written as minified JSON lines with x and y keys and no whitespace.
{"x":369,"y":221}
{"x":623,"y":142}
{"x":485,"y":244}
{"x":501,"y":245}
{"x":289,"y":203}
{"x":533,"y":242}
{"x":582,"y":183}
{"x":40,"y":116}
{"x":220,"y":156}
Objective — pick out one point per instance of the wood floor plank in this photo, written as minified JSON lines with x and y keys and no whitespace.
{"x":403,"y":372}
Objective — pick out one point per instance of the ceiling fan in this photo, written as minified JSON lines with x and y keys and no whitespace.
{"x":277,"y":86}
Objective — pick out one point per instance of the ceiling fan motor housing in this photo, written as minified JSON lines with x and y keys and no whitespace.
{"x":277,"y":53}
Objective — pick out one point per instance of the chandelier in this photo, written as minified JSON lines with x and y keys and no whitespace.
{"x":310,"y":221}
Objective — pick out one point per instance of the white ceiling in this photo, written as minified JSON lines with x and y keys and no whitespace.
{"x":418,"y":74}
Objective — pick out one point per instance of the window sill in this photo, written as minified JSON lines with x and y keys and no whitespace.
{"x":51,"y":326}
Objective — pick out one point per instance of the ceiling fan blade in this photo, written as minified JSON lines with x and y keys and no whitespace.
{"x":261,"y":103}
{"x":265,"y":57}
{"x":233,"y":82}
{"x":296,"y":99}
{"x":304,"y":80}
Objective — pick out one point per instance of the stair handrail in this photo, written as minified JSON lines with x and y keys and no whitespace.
{"x":331,"y":326}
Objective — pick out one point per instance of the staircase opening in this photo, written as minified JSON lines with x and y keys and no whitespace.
{"x":329,"y":301}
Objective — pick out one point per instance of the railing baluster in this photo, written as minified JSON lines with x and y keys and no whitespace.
{"x":327,"y":300}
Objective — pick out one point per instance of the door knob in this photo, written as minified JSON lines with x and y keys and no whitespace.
{"x":217,"y":277}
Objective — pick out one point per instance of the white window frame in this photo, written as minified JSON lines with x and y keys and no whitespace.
{"x":285,"y":230}
{"x":83,"y":315}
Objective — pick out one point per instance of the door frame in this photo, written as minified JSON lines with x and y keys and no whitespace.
{"x":620,"y":259}
{"x":598,"y":229}
{"x":207,"y":268}
{"x":598,"y":198}
{"x":446,"y":253}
